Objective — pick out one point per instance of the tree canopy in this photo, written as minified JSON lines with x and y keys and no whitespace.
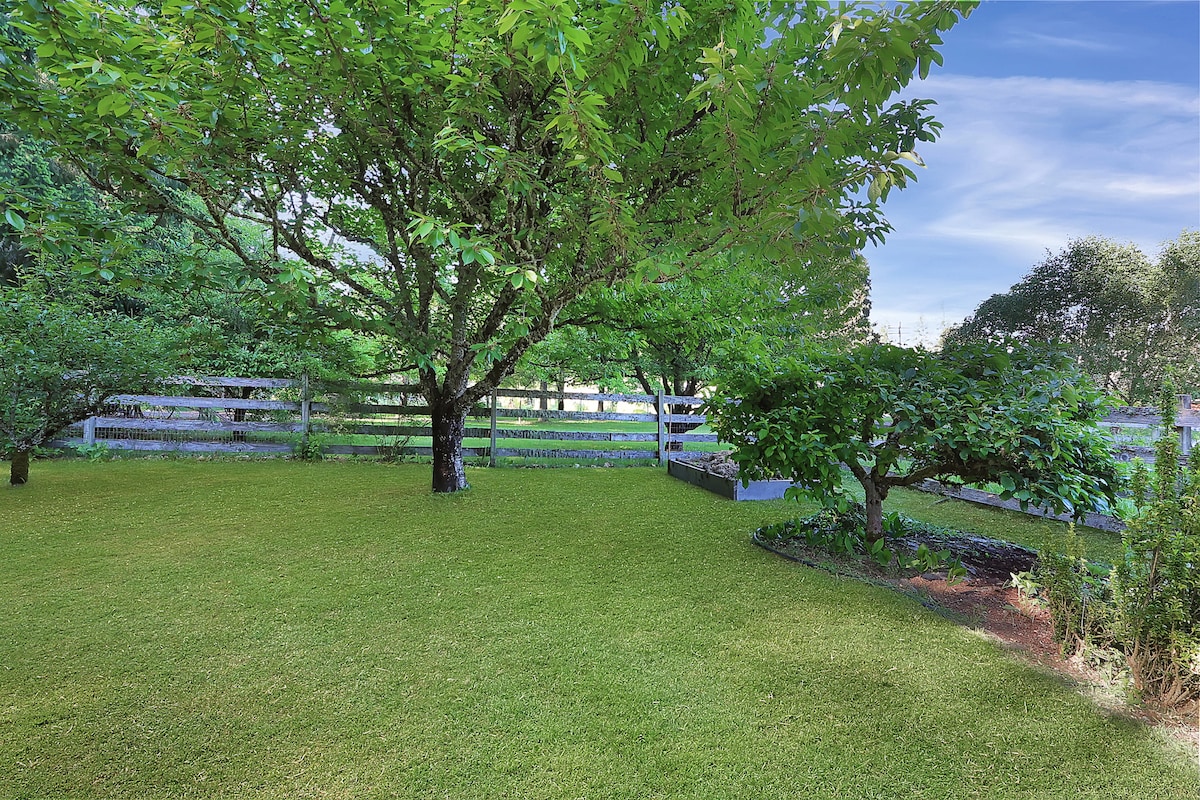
{"x":1127,"y":319}
{"x":452,"y":177}
{"x":1024,"y":418}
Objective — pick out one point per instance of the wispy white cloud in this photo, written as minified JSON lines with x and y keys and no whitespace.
{"x":1024,"y":165}
{"x":1036,"y":39}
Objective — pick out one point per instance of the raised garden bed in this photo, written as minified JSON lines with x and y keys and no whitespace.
{"x":716,"y":473}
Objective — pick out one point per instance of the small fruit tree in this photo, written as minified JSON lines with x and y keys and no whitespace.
{"x":60,"y":365}
{"x":1024,"y":418}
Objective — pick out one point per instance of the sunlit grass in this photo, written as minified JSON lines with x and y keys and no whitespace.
{"x":275,"y":629}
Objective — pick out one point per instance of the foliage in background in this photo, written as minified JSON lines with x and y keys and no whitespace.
{"x":1023,"y":417}
{"x":1126,"y":319}
{"x":62,"y":364}
{"x":453,"y":181}
{"x":159,"y":269}
{"x":677,"y":336}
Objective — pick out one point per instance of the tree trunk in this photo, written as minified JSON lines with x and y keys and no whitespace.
{"x":19,"y":472}
{"x":239,"y":414}
{"x":543,"y":401}
{"x":562,"y":403}
{"x":874,"y":503}
{"x":674,"y":428}
{"x":449,"y":425}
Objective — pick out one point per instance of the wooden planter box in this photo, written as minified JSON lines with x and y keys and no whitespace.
{"x":726,"y":487}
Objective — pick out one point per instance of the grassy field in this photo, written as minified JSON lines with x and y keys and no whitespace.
{"x":272,"y":629}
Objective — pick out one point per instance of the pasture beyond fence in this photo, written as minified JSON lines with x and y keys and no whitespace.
{"x":277,"y":416}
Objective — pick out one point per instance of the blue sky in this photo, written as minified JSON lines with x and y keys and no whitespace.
{"x":1062,"y":120}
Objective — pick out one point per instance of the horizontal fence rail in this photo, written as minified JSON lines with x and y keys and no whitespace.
{"x":276,"y":415}
{"x":218,"y":415}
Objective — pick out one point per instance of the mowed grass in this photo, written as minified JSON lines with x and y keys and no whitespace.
{"x":282,"y":630}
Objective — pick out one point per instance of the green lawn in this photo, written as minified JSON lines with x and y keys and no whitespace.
{"x":271,"y":629}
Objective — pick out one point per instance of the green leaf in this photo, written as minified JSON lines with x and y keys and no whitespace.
{"x":14,"y":218}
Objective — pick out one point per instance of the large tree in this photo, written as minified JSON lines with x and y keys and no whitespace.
{"x":1127,"y":319}
{"x":1022,"y":417}
{"x":452,"y":176}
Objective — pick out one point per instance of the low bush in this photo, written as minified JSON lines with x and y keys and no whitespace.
{"x":1148,"y":606}
{"x":844,"y":533}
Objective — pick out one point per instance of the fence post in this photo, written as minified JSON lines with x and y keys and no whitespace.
{"x":662,"y":431}
{"x":492,"y":446}
{"x":1185,"y":431}
{"x":89,"y":431}
{"x":305,"y":411}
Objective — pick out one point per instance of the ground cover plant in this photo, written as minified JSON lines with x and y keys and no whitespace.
{"x":280,"y":629}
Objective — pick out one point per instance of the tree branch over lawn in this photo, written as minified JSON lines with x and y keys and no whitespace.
{"x":469,"y":153}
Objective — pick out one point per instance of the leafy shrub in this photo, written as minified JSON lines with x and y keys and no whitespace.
{"x":1075,"y":592}
{"x":1156,"y":587}
{"x":1149,"y":608}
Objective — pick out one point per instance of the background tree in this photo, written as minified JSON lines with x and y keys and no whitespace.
{"x":677,"y":336}
{"x":1024,"y":418}
{"x":1126,"y":319}
{"x":452,"y":178}
{"x":60,"y":365}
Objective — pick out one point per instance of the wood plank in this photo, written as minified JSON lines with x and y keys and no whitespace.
{"x":608,"y":397}
{"x":572,"y":436}
{"x":254,"y":383}
{"x":152,"y":424}
{"x":164,"y":401}
{"x":609,"y":455}
{"x":1190,"y":419}
{"x":376,"y":408}
{"x":194,"y":447}
{"x":375,"y":450}
{"x":694,"y":437}
{"x":404,"y":430}
{"x":609,"y":416}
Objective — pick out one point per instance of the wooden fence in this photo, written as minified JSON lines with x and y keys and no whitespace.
{"x":274,"y":416}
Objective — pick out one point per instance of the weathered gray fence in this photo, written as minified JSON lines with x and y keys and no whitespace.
{"x":274,"y":415}
{"x":221,"y":415}
{"x":1186,"y":421}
